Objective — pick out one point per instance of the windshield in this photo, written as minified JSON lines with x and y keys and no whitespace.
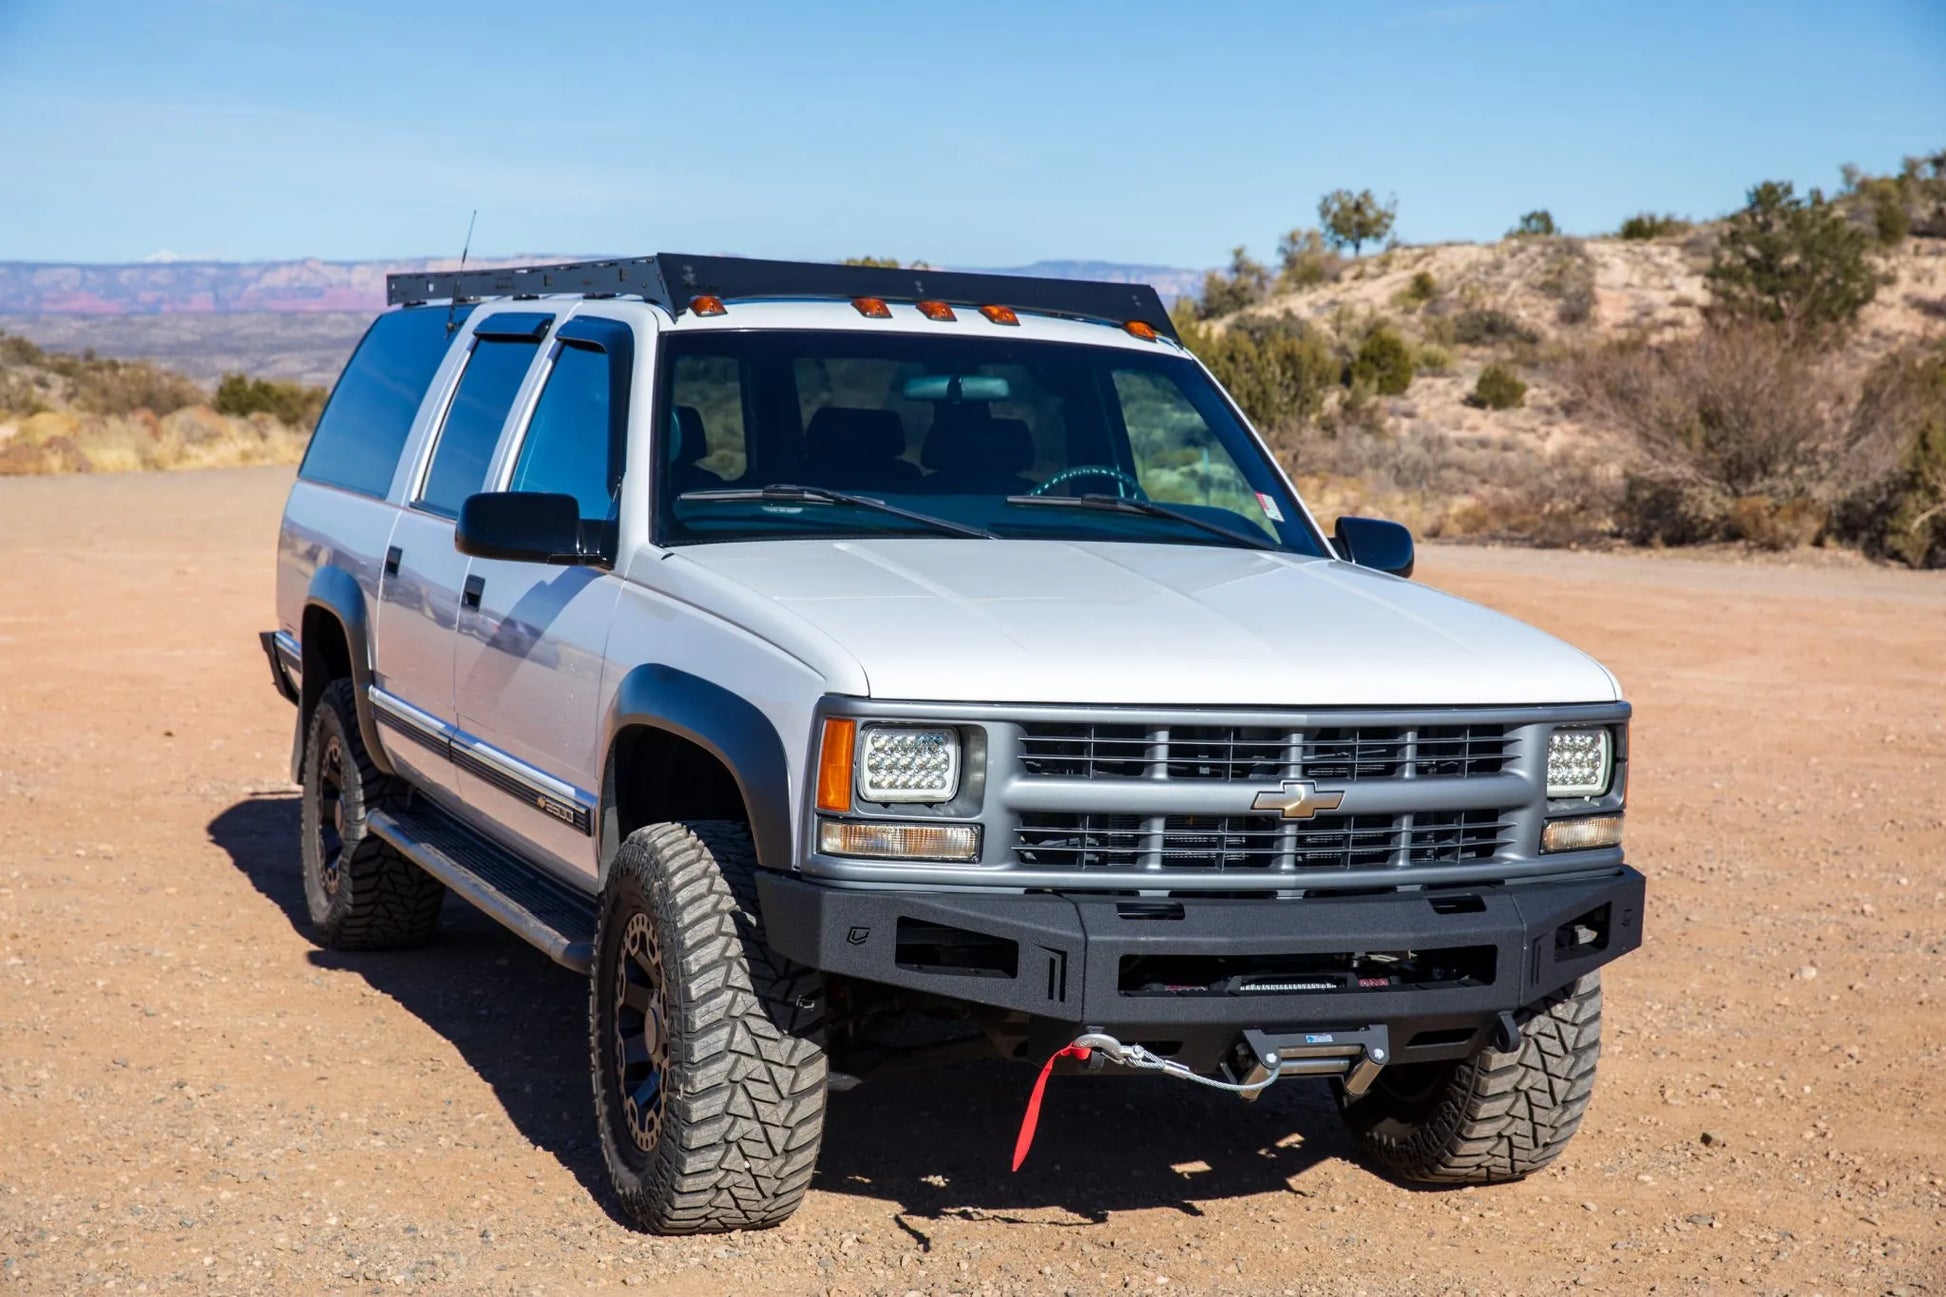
{"x":956,"y":430}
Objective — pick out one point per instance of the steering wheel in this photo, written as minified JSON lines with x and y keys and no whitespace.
{"x":1121,"y":479}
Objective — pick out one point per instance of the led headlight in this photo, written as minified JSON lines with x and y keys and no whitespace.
{"x":1579,"y":762}
{"x":908,"y":763}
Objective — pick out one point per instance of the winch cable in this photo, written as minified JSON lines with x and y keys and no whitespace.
{"x":1082,"y":1047}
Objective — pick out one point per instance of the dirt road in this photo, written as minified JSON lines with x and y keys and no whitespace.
{"x":193,"y":1097}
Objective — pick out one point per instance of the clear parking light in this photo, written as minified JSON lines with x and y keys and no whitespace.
{"x":1579,"y":762}
{"x":908,"y":763}
{"x":1582,"y":833}
{"x":899,"y":841}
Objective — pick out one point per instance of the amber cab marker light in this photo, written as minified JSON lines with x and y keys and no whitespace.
{"x":937,"y":311}
{"x":707,"y":304}
{"x":872,"y":308}
{"x":1000,"y":314}
{"x":834,"y":765}
{"x":1137,"y":329}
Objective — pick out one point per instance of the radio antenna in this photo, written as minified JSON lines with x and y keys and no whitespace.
{"x":464,"y":248}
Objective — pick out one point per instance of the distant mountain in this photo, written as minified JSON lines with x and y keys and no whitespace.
{"x":171,"y":287}
{"x":209,"y":287}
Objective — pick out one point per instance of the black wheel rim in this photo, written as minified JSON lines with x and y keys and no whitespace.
{"x":641,"y":1039}
{"x":331,"y":817}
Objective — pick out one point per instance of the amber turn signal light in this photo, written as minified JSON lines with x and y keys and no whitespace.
{"x":872,"y":308}
{"x":707,"y":304}
{"x":1000,"y":314}
{"x":1137,"y":329}
{"x":834,"y":765}
{"x":936,"y":311}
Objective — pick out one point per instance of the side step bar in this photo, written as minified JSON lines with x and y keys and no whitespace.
{"x":547,"y":914}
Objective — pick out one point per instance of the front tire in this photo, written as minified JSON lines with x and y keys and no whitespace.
{"x":707,"y":1048}
{"x":361,"y":893}
{"x":1493,"y":1117}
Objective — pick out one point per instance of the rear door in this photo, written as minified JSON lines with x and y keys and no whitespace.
{"x":527,"y":668}
{"x":422,"y":587}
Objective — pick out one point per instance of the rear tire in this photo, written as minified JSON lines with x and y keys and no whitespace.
{"x":361,"y":893}
{"x":707,"y":1048}
{"x":1495,"y":1116}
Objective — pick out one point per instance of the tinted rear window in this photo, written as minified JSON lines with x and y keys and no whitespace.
{"x":481,"y":403}
{"x":364,"y":426}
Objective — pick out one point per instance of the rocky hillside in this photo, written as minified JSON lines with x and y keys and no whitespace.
{"x":1564,"y":293}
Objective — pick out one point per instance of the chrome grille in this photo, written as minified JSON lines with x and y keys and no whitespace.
{"x":1221,"y":843}
{"x":1238,"y":754}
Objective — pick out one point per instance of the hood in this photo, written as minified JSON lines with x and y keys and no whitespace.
{"x":1040,"y":621}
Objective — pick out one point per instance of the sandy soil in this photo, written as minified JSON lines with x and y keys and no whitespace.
{"x":193,"y":1097}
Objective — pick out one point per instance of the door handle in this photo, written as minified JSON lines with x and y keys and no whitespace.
{"x":392,"y":556}
{"x":470,"y":594}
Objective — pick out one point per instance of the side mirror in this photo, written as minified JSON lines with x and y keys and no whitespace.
{"x":524,"y":526}
{"x":1374,"y":543}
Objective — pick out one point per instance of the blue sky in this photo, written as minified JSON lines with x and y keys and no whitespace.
{"x":983,"y":135}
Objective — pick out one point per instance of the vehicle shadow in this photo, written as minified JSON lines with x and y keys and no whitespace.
{"x":517,"y":1018}
{"x":935,"y":1143}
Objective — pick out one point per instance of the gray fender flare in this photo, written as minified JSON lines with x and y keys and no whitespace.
{"x":725,"y":725}
{"x":338,"y":593}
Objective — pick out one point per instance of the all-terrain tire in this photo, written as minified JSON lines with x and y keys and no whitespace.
{"x":707,"y":1048}
{"x":1499,"y":1115}
{"x":361,"y":893}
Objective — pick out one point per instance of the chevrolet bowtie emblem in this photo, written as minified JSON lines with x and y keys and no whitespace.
{"x":1297,"y":799}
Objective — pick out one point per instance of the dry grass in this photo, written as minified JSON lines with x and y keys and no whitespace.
{"x":195,"y":437}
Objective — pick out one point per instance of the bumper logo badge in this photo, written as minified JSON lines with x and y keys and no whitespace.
{"x":1297,"y":799}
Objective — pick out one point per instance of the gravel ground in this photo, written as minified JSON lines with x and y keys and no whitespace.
{"x":195,"y":1098}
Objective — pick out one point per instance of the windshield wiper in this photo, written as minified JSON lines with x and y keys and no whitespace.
{"x":789,"y":493}
{"x":1147,"y":508}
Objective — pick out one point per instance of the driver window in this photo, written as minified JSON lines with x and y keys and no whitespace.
{"x":1178,"y":459}
{"x":567,"y":444}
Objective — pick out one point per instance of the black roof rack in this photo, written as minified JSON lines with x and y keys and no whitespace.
{"x":672,"y":279}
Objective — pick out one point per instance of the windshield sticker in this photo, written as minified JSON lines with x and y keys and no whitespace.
{"x":1269,"y":506}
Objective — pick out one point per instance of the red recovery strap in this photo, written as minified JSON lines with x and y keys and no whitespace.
{"x":1033,"y":1115}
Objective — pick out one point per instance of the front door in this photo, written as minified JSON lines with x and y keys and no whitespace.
{"x":422,"y":589}
{"x":527,"y":669}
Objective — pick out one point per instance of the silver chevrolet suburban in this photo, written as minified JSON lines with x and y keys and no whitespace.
{"x":799,"y":649}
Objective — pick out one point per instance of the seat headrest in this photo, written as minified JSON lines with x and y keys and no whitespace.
{"x":844,"y":431}
{"x":692,"y":442}
{"x":1002,"y":446}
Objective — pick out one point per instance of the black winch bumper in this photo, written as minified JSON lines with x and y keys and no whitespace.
{"x":1438,"y":966}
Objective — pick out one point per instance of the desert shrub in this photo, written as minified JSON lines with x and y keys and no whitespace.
{"x":1790,"y":261}
{"x":1435,"y":359}
{"x":1569,"y":278}
{"x":1419,"y":290}
{"x":1353,"y":220}
{"x":1662,"y":509}
{"x":1385,"y":361}
{"x":1498,"y":388}
{"x":292,"y":404}
{"x":1911,"y":201}
{"x":1735,"y":408}
{"x":1441,"y":485}
{"x":1305,"y":261}
{"x":1886,"y":206}
{"x":1279,"y":371}
{"x":1776,"y":524}
{"x":1898,"y":436}
{"x":1246,"y":283}
{"x":1648,"y":225}
{"x":1485,"y":327}
{"x":1539,"y":223}
{"x":91,"y":384}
